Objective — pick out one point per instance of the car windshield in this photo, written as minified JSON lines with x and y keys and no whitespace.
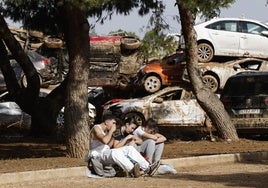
{"x":241,"y":86}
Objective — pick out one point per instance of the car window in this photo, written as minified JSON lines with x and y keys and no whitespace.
{"x":224,"y":26}
{"x":251,"y":65}
{"x":172,"y":95}
{"x":244,"y":86}
{"x":251,"y":28}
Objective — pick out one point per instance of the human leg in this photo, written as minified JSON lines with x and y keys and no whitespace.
{"x":117,"y":156}
{"x":159,"y":148}
{"x":135,"y":156}
{"x":148,"y":149}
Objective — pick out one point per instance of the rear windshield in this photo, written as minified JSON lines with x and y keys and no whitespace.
{"x":242,"y":86}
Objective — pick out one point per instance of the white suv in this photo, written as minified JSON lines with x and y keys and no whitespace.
{"x":235,"y":37}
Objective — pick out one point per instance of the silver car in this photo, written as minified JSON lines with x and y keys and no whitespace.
{"x":215,"y":74}
{"x":171,"y":106}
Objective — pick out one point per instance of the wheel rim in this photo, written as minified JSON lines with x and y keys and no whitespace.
{"x":152,"y":84}
{"x":204,"y":53}
{"x":211,"y":83}
{"x":60,"y":119}
{"x":138,"y":118}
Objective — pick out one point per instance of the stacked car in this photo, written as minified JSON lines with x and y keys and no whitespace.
{"x":232,"y":53}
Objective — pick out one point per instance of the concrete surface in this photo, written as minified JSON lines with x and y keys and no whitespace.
{"x":61,"y":173}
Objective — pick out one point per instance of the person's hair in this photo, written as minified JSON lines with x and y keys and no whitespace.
{"x":108,"y":117}
{"x":130,"y":121}
{"x":151,"y":124}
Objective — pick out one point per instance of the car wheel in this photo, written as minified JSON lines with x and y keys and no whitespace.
{"x":24,"y":81}
{"x":137,"y":116}
{"x":205,"y":52}
{"x":130,"y":43}
{"x":152,"y":84}
{"x":211,"y":82}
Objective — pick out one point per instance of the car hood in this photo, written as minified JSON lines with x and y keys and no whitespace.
{"x":128,"y":102}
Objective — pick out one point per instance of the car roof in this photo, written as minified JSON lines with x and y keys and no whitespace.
{"x":229,"y":18}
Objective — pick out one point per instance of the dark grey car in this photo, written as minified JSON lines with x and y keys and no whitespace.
{"x":245,"y":97}
{"x":42,"y":65}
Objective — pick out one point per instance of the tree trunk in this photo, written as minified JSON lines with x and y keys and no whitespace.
{"x":42,"y":110}
{"x":76,"y":29}
{"x":208,"y":101}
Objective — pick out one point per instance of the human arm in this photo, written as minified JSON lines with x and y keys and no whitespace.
{"x":105,"y":139}
{"x":160,"y":138}
{"x":128,"y":139}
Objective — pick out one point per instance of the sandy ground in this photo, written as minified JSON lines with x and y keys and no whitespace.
{"x":23,"y":154}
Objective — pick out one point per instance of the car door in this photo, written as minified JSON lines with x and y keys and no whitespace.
{"x":252,"y":42}
{"x":224,"y":37}
{"x":174,"y":111}
{"x":173,"y":68}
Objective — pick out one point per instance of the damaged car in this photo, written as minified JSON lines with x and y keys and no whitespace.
{"x":166,"y":72}
{"x":114,"y":61}
{"x":11,"y":114}
{"x":235,"y":37}
{"x":171,"y":106}
{"x":42,"y":65}
{"x":215,"y":74}
{"x":245,"y":98}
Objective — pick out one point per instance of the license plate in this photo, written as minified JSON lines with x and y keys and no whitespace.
{"x":249,"y":111}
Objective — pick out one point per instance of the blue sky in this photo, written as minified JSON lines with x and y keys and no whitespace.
{"x":134,"y":23}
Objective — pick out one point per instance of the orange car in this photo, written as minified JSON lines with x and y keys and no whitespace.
{"x":167,"y":71}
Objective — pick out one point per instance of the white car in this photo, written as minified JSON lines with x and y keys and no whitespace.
{"x":171,"y":106}
{"x":215,"y":74}
{"x":237,"y":37}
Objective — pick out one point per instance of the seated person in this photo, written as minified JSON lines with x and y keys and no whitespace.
{"x":153,"y":143}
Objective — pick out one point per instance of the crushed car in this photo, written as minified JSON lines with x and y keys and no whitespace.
{"x":215,"y":74}
{"x":114,"y":61}
{"x":171,"y":106}
{"x":11,"y":114}
{"x":42,"y":65}
{"x":158,"y":73}
{"x":245,"y":98}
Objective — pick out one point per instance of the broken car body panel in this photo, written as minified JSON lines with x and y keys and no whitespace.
{"x":171,"y":106}
{"x":222,"y":71}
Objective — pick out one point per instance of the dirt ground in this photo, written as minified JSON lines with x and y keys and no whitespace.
{"x":25,"y":153}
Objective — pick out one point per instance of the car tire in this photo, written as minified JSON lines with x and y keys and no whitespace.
{"x":205,"y":52}
{"x":51,"y":42}
{"x":211,"y":82}
{"x":130,"y":43}
{"x":152,"y":84}
{"x":24,"y":81}
{"x":138,"y":117}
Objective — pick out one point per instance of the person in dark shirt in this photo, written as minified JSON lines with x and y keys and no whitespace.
{"x":125,"y":136}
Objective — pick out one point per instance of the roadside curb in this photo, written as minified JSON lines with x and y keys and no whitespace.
{"x":17,"y":177}
{"x":216,"y":159}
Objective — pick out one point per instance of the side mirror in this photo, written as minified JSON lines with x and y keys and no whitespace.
{"x":158,"y":100}
{"x":264,"y":33}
